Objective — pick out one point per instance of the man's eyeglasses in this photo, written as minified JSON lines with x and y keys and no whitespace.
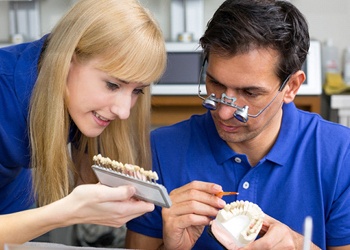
{"x":241,"y":113}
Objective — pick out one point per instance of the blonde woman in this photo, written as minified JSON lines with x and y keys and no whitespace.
{"x":81,"y":90}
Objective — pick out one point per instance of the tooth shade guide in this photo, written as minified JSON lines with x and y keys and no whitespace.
{"x":115,"y":174}
{"x":221,"y":194}
{"x":127,"y":169}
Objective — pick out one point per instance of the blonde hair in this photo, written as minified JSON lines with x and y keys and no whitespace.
{"x":131,"y":44}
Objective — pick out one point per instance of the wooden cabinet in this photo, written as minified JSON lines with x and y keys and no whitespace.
{"x":171,"y":109}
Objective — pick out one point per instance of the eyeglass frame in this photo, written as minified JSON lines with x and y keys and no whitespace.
{"x":241,"y":113}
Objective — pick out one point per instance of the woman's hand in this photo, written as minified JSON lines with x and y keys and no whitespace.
{"x":90,"y":204}
{"x":103,"y":205}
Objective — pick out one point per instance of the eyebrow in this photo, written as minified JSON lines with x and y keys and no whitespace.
{"x":126,"y":82}
{"x":213,"y":78}
{"x":120,"y":80}
{"x":262,"y":90}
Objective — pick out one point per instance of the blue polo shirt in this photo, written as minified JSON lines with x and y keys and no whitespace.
{"x":18,"y":73}
{"x":306,"y":173}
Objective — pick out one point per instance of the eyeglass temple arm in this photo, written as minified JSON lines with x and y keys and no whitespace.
{"x":199,"y":79}
{"x":279,"y":91}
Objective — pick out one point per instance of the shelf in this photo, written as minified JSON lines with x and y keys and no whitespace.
{"x":183,"y":47}
{"x":168,"y":109}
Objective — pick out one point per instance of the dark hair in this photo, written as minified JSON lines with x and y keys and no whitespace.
{"x":241,"y":25}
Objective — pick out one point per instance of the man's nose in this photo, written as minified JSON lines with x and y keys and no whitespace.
{"x":226,"y":111}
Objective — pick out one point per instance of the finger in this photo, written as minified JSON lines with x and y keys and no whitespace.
{"x":271,"y":227}
{"x":198,"y":191}
{"x":268,"y":241}
{"x":105,"y":193}
{"x":188,"y":220}
{"x":136,"y":208}
{"x":128,"y":207}
{"x":207,"y":187}
{"x":118,"y":213}
{"x":268,"y":221}
{"x":192,"y":207}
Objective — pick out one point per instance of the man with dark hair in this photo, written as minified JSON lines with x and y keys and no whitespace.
{"x":291,"y":163}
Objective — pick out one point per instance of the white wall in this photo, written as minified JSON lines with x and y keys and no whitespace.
{"x":51,"y":11}
{"x":4,"y":27}
{"x":327,"y":18}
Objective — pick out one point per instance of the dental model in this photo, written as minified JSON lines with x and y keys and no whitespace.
{"x":237,"y":224}
{"x":127,"y":169}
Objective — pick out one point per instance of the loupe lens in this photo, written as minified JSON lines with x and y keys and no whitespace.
{"x":240,"y":118}
{"x":209,"y":104}
{"x":241,"y":115}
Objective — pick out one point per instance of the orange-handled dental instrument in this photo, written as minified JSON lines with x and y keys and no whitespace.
{"x":220,"y":194}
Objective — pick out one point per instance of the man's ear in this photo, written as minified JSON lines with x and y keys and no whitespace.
{"x":293,"y":85}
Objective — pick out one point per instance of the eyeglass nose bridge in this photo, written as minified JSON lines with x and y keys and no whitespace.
{"x":211,"y":101}
{"x":240,"y":114}
{"x":230,"y":101}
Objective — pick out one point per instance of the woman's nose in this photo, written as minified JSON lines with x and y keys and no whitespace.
{"x":121,"y":106}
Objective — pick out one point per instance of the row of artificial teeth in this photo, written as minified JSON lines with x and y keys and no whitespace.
{"x":243,"y":207}
{"x":254,"y":226}
{"x":250,"y":209}
{"x":127,"y":169}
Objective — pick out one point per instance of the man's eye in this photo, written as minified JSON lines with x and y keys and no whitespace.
{"x":210,"y":81}
{"x":250,"y":93}
{"x":138,"y":91}
{"x":112,"y":86}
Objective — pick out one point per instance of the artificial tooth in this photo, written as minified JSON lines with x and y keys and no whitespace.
{"x":127,"y":169}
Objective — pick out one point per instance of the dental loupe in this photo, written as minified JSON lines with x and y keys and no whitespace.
{"x":210,"y":102}
{"x":241,"y":113}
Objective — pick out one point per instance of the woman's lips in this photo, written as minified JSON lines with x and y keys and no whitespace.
{"x":102,"y":121}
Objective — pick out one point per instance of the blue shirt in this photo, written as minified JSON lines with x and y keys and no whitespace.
{"x":18,"y":73}
{"x":306,"y":173}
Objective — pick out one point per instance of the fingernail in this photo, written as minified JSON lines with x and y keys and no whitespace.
{"x":222,"y":203}
{"x":217,"y":187}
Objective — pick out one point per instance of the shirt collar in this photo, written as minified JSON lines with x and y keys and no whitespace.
{"x":219,"y":148}
{"x":286,"y":137}
{"x":288,"y":130}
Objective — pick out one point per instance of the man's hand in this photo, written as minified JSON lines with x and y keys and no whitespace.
{"x":276,"y":235}
{"x":193,"y":207}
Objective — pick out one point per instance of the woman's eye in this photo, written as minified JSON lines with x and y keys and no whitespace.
{"x":112,"y":86}
{"x":138,"y":91}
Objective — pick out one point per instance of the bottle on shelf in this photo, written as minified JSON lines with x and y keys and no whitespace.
{"x":330,"y":59}
{"x":346,"y":68}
